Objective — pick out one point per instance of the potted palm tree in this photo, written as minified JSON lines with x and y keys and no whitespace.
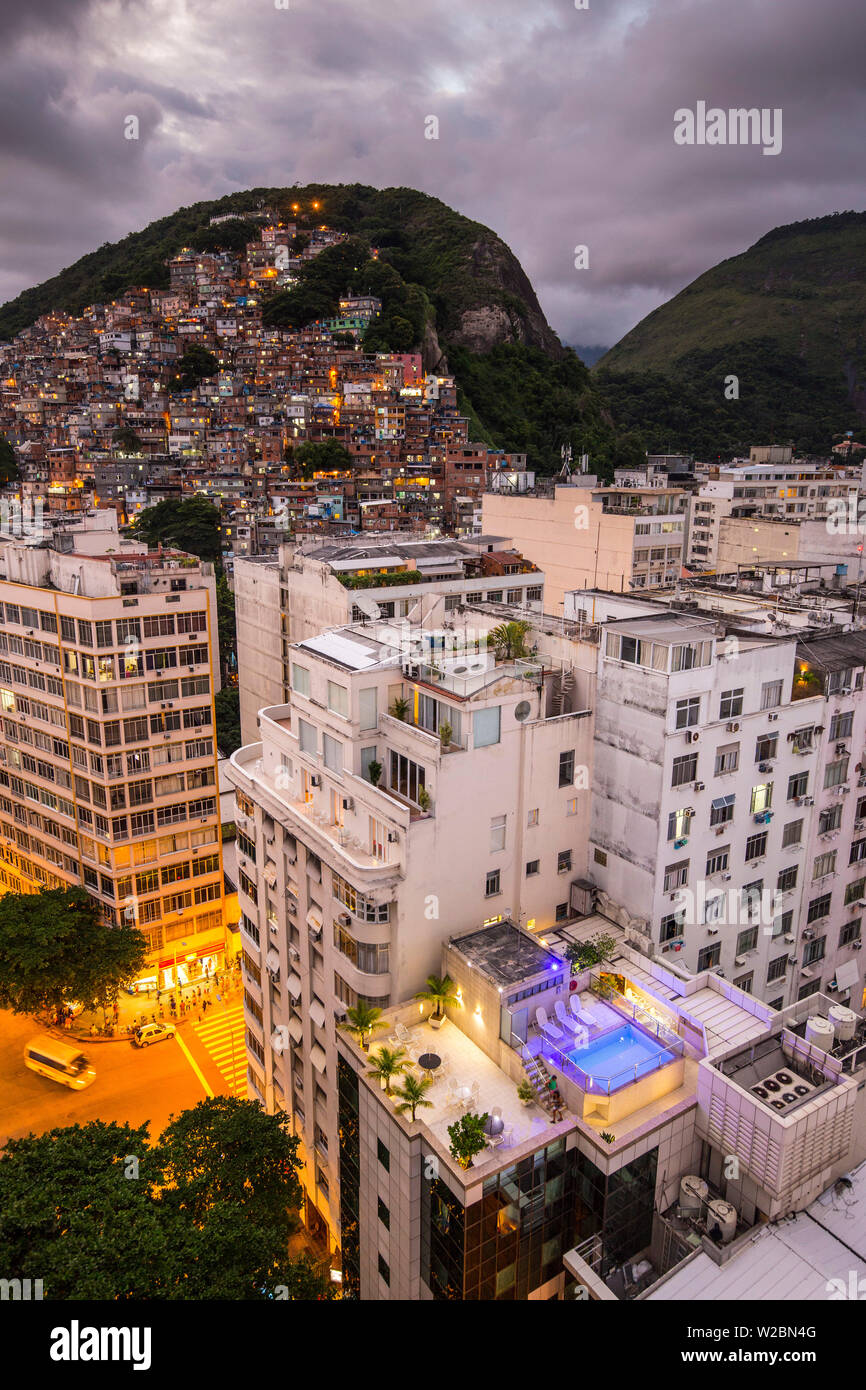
{"x":413,"y":1094}
{"x":374,"y":772}
{"x":388,"y":1063}
{"x":362,"y":1020}
{"x":446,"y":733}
{"x":441,"y":993}
{"x":509,"y":640}
{"x":525,"y":1092}
{"x":400,"y":707}
{"x":467,"y":1138}
{"x":424,"y":800}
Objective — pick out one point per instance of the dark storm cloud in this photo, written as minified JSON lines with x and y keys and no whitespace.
{"x":555,"y":125}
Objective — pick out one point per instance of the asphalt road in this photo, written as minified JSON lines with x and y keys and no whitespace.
{"x":133,"y":1085}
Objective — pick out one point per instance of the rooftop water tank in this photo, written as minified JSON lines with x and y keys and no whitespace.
{"x":693,"y":1194}
{"x":820,"y":1032}
{"x":844,"y":1021}
{"x":723,"y":1215}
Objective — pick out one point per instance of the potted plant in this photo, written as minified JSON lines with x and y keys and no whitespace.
{"x":400,"y":708}
{"x":467,"y":1138}
{"x":509,"y":640}
{"x":362,"y":1020}
{"x":374,"y":772}
{"x":440,"y":992}
{"x":607,"y":1136}
{"x":424,"y":800}
{"x":413,"y":1094}
{"x":446,"y":733}
{"x":388,"y":1063}
{"x":525,"y":1091}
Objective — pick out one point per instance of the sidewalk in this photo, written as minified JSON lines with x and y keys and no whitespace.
{"x":135,"y":1009}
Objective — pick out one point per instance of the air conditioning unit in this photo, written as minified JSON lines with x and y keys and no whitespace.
{"x":393,"y":837}
{"x":739,"y":960}
{"x":699,"y":786}
{"x":808,"y":933}
{"x":720,"y":971}
{"x":348,"y":804}
{"x":733,"y":727}
{"x":790,"y":938}
{"x":692,"y":736}
{"x":344,"y":919}
{"x":315,"y":780}
{"x":712,"y":931}
{"x":856,"y":945}
{"x":765,"y":767}
{"x":833,"y":985}
{"x":808,"y":801}
{"x":772,"y":717}
{"x":726,"y":878}
{"x":840,"y":748}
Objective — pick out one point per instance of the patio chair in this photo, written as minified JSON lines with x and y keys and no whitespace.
{"x":549,"y":1029}
{"x":584,"y":1016}
{"x":569,"y":1022}
{"x":505,"y":1137}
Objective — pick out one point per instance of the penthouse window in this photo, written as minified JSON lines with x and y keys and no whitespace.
{"x":408,"y":778}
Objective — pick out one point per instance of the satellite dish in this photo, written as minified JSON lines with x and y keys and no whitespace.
{"x":368,"y":606}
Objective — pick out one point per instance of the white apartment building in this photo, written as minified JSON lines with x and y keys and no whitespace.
{"x":795,"y":492}
{"x":587,"y":535}
{"x":109,"y":664}
{"x":365,"y":839}
{"x":721,"y":819}
{"x":317,"y":584}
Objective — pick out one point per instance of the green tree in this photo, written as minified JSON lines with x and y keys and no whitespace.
{"x":97,"y":1212}
{"x":362,"y":1020}
{"x":193,"y":367}
{"x":55,"y":946}
{"x":509,"y":640}
{"x":9,"y":470}
{"x":187,"y":523}
{"x":229,"y":1152}
{"x":387,"y":1063}
{"x":441,"y":992}
{"x":126,"y":441}
{"x":322,"y":456}
{"x":413,"y":1095}
{"x":228,"y":720}
{"x":226,"y":626}
{"x":467,"y":1138}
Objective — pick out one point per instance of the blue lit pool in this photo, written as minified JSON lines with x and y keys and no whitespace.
{"x":619,"y":1057}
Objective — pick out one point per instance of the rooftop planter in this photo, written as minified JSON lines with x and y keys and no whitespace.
{"x":467,"y":1138}
{"x":388,"y":579}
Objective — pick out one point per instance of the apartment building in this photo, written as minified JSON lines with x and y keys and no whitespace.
{"x":626,"y":1188}
{"x":793,"y":491}
{"x":109,"y":664}
{"x":316,"y":584}
{"x":407,"y":791}
{"x":721,"y":818}
{"x":587,"y":535}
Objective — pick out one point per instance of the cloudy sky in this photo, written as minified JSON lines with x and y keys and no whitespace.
{"x":555,"y":124}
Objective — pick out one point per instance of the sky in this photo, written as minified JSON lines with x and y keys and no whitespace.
{"x":555,"y":125}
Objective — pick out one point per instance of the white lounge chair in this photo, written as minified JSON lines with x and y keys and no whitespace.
{"x":570,"y":1023}
{"x":505,"y":1137}
{"x":582,"y":1015}
{"x":549,"y":1029}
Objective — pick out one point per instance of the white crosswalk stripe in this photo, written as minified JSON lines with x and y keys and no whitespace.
{"x":223,"y":1038}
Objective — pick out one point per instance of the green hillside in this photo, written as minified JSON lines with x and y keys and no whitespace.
{"x":787,"y":318}
{"x":450,"y":287}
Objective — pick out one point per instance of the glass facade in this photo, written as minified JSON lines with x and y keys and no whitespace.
{"x":510,"y":1242}
{"x":618,"y":1208}
{"x":350,"y":1177}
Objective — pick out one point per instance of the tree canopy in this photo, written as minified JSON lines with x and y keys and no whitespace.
{"x":55,"y":946}
{"x":9,"y":471}
{"x":188,"y":523}
{"x":97,"y":1211}
{"x":192,"y":368}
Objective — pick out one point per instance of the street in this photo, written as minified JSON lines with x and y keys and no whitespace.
{"x":133,"y":1085}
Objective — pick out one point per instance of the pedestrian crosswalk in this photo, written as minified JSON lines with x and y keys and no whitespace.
{"x":222,"y":1036}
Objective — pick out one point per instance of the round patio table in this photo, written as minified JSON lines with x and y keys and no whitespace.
{"x":429,"y":1061}
{"x":495,"y":1125}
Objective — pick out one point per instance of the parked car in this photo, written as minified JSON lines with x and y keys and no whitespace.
{"x":152,"y":1032}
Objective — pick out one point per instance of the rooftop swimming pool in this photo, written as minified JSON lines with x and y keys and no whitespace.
{"x":619,"y":1057}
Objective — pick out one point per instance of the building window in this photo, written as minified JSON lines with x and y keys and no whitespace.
{"x":685,"y":769}
{"x":533,"y":867}
{"x":563,"y":861}
{"x":566,"y":768}
{"x":777,"y":969}
{"x":678,"y":823}
{"x":497,"y":833}
{"x":809,"y":989}
{"x":747,"y":940}
{"x":491,"y":888}
{"x":850,"y":932}
{"x":765,"y":747}
{"x":532,"y":817}
{"x":798,"y":785}
{"x":338,"y":699}
{"x":814,"y":950}
{"x":384,"y":1214}
{"x":787,"y":879}
{"x":599,"y":857}
{"x":384,"y":1271}
{"x":485,"y":727}
{"x":836,"y":773}
{"x":830,"y":819}
{"x":722,"y":809}
{"x":819,"y":907}
{"x":709,"y":956}
{"x":841,"y":726}
{"x":756,"y":846}
{"x":561,"y":911}
{"x":383,"y":1155}
{"x":571,"y":806}
{"x":407,"y":777}
{"x":688,"y":712}
{"x":854,"y":892}
{"x":824,"y":864}
{"x":731,"y":704}
{"x":676,"y":875}
{"x":718,"y":860}
{"x":332,"y":753}
{"x":727,"y":759}
{"x":771,"y":694}
{"x":307,"y":737}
